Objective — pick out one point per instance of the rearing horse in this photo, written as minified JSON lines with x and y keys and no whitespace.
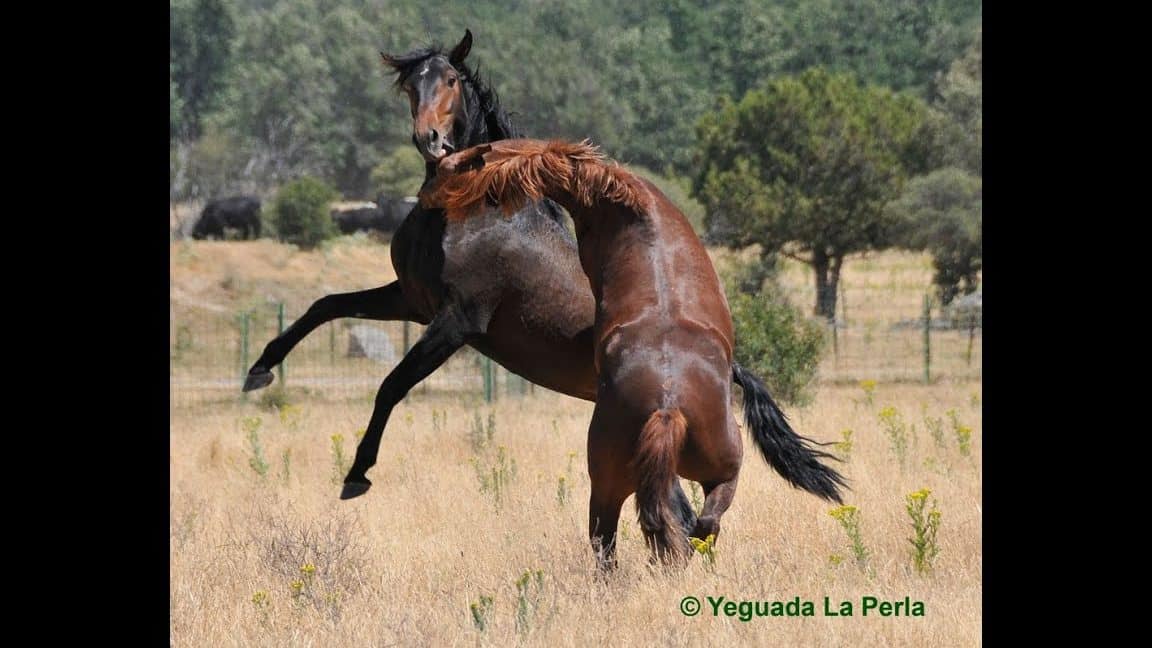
{"x":663,"y":340}
{"x":511,"y":288}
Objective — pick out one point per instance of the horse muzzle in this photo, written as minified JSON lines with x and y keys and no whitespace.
{"x":433,"y":145}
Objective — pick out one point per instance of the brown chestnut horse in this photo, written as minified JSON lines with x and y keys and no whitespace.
{"x":663,"y":340}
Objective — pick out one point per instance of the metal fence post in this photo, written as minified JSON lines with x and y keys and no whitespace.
{"x":244,"y":318}
{"x":843,"y":304}
{"x":971,"y":336}
{"x":279,"y":332}
{"x":835,"y":345}
{"x":486,"y":369}
{"x":927,"y":339}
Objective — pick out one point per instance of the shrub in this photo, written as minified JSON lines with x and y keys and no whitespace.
{"x":300,"y":212}
{"x":778,"y":343}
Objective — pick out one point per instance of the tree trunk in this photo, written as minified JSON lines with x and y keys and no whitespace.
{"x":827,"y":271}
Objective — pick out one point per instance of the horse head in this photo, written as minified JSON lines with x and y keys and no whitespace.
{"x":434,"y":83}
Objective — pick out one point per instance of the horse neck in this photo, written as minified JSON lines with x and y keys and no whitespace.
{"x":608,"y":237}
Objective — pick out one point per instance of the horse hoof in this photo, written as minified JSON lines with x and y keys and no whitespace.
{"x":257,"y":380}
{"x":354,"y":489}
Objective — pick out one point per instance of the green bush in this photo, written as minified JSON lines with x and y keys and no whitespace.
{"x":774,"y":339}
{"x":300,"y":212}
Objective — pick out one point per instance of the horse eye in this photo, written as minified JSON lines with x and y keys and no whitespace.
{"x":451,"y":81}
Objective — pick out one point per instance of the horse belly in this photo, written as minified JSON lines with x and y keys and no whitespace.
{"x":542,"y":351}
{"x":523,"y":280}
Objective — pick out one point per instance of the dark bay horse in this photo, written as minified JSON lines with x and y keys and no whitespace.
{"x":510,"y":287}
{"x":662,"y":336}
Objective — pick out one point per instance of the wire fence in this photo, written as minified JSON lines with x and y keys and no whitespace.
{"x":936,"y":344}
{"x":211,"y":350}
{"x":211,"y":353}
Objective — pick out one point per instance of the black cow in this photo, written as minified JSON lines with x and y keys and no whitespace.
{"x":393,"y":211}
{"x":385,"y":217}
{"x":237,"y":212}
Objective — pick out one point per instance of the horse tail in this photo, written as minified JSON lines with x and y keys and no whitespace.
{"x":655,"y":463}
{"x":787,"y":452}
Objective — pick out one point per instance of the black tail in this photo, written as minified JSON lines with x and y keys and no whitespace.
{"x":787,"y":452}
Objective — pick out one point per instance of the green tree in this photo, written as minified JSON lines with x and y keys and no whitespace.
{"x":805,"y":166}
{"x":942,"y":213}
{"x":309,"y":94}
{"x":960,"y":99}
{"x":199,"y":50}
{"x":300,"y":212}
{"x":297,"y":87}
{"x":901,"y":44}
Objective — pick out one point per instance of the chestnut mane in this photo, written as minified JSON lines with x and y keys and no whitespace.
{"x":518,"y":171}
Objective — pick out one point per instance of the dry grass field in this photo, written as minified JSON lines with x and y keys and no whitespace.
{"x":455,"y":519}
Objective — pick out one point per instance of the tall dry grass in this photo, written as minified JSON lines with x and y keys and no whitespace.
{"x":403,"y":564}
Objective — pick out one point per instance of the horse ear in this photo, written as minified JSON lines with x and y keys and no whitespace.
{"x":388,"y":60}
{"x":460,"y":52}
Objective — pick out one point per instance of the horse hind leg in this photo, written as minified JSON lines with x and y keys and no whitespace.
{"x":683,"y":508}
{"x":725,"y":454}
{"x":717,"y":498}
{"x":610,"y":479}
{"x":603,"y":522}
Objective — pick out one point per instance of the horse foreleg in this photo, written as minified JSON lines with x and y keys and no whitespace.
{"x":384,"y":303}
{"x":441,"y":339}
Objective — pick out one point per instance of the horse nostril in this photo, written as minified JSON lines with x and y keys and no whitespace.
{"x":434,"y":135}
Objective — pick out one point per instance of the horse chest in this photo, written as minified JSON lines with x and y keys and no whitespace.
{"x":418,"y":257}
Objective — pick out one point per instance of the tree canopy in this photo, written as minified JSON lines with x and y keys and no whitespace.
{"x":805,"y":166}
{"x":942,"y":212}
{"x":263,"y":91}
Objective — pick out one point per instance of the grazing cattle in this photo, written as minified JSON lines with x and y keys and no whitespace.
{"x":237,"y":212}
{"x":355,"y":217}
{"x":393,"y":211}
{"x":385,"y":215}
